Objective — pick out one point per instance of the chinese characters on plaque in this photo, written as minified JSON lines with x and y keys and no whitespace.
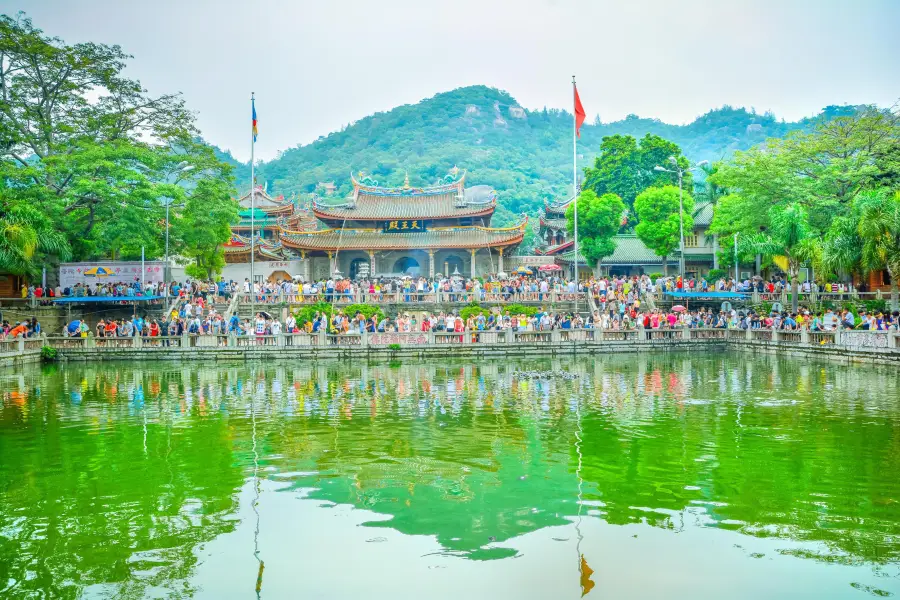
{"x":406,"y":226}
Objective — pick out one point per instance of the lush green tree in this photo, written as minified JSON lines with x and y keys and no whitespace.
{"x":202,"y":226}
{"x":879,"y":231}
{"x":822,"y":170}
{"x":789,"y":235}
{"x":24,"y":232}
{"x":87,"y":148}
{"x":599,"y":220}
{"x":625,"y":167}
{"x":659,"y":219}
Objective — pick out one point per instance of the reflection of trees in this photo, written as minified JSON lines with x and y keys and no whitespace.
{"x":462,"y":453}
{"x":772,"y":462}
{"x":90,"y":505}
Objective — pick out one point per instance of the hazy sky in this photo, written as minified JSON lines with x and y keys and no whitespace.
{"x":317,"y":65}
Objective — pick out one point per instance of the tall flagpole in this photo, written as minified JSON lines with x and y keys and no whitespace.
{"x":575,"y":183}
{"x":252,"y":208}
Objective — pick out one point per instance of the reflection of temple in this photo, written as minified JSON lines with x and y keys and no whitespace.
{"x":444,"y":228}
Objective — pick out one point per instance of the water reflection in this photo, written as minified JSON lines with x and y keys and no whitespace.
{"x":114,"y":478}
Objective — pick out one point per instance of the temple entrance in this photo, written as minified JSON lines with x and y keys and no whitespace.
{"x":454,"y":265}
{"x":357,"y":265}
{"x":406,"y":265}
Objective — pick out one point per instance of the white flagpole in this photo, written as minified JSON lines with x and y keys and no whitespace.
{"x":252,"y":213}
{"x":575,"y":184}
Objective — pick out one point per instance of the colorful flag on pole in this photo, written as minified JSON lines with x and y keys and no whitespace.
{"x":579,"y":114}
{"x":255,"y":131}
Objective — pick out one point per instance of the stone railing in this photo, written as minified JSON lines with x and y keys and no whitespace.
{"x":885,"y":345}
{"x":401,"y":297}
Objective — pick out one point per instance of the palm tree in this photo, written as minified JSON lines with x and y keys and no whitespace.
{"x":790,"y":236}
{"x":24,"y":233}
{"x":842,"y":246}
{"x":879,"y":231}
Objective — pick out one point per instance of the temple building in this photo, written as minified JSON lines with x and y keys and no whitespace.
{"x":631,"y":256}
{"x":441,"y":229}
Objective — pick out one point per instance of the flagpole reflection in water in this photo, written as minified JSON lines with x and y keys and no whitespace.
{"x":584,"y":571}
{"x":256,"y":493}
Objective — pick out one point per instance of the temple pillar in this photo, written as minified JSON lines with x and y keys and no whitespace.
{"x":331,"y":258}
{"x":371,"y":263}
{"x":307,"y":268}
{"x":473,"y":251}
{"x":431,"y":263}
{"x":500,"y":260}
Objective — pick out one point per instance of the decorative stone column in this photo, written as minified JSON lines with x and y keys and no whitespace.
{"x":473,"y":251}
{"x":431,"y":263}
{"x":500,"y":260}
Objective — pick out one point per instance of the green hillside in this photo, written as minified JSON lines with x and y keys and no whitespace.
{"x":525,"y":155}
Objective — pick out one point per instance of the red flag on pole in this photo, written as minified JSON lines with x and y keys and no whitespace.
{"x":579,"y":113}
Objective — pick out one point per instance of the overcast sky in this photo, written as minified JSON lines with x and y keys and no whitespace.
{"x":317,"y":65}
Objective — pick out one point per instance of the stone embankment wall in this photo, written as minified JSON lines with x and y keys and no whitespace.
{"x":843,"y":346}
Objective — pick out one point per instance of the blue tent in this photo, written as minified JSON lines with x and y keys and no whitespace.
{"x":701,"y":295}
{"x":101,"y":299}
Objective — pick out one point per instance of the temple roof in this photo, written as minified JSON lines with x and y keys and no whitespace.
{"x":547,"y":223}
{"x":550,"y":250}
{"x":450,"y":237}
{"x":446,"y":200}
{"x":552,"y":209}
{"x":703,"y":214}
{"x":265,"y":203}
{"x":632,"y":251}
{"x":239,"y":245}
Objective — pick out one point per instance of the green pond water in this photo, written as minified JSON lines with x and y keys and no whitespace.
{"x":667,"y":476}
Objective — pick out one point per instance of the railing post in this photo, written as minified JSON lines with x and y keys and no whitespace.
{"x":748,"y":333}
{"x":430,"y":337}
{"x":364,"y":338}
{"x":804,"y":335}
{"x":136,"y":341}
{"x":775,"y":335}
{"x":686,"y":332}
{"x":837,"y":336}
{"x":321,"y":338}
{"x":510,"y":336}
{"x":555,"y":336}
{"x":89,"y":341}
{"x":21,"y":345}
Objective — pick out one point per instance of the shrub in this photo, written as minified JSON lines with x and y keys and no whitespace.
{"x":49,"y":354}
{"x":306,"y":314}
{"x":520,"y":309}
{"x":716,"y":274}
{"x":473,"y":310}
{"x":393,"y":347}
{"x":655,"y":276}
{"x":875,"y":306}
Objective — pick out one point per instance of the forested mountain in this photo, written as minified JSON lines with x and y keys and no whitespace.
{"x":525,"y":155}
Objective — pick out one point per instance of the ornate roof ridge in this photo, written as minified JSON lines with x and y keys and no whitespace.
{"x":371,"y":187}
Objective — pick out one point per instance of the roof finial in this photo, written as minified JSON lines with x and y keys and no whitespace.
{"x":406,"y":181}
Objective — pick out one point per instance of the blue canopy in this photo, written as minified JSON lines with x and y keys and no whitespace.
{"x":690,"y":295}
{"x":99,"y":299}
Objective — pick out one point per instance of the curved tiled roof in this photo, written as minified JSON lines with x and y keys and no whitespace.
{"x":632,"y":251}
{"x":703,"y":214}
{"x":377,"y":207}
{"x":455,"y":237}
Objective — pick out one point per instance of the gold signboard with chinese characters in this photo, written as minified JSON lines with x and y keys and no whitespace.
{"x":404,"y":226}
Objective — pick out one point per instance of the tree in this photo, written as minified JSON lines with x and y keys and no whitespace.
{"x":822,"y":170}
{"x":625,"y":167}
{"x":599,"y":220}
{"x":789,"y":235}
{"x":203,"y":226}
{"x":659,"y":225}
{"x":24,"y":232}
{"x":708,"y":191}
{"x":879,"y":230}
{"x":87,"y":148}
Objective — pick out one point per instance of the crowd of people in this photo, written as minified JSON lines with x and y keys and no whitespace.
{"x":19,"y":329}
{"x":618,"y":303}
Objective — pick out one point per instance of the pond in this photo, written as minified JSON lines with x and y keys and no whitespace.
{"x":646,"y":476}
